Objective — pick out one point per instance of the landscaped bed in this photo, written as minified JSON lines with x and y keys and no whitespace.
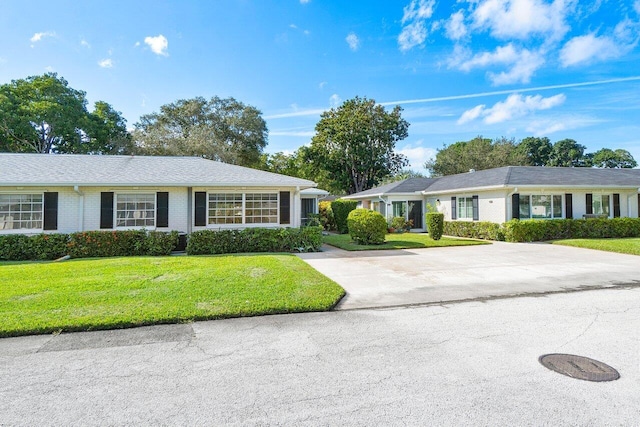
{"x":109,"y":293}
{"x":399,"y":241}
{"x":625,"y":246}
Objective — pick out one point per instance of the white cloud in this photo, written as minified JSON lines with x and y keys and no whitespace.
{"x":636,"y":6}
{"x":544,"y":128}
{"x":293,"y":133}
{"x":514,"y":106}
{"x":353,"y":41}
{"x":588,"y":48}
{"x":455,"y":26}
{"x":417,"y":154}
{"x":335,"y":100}
{"x":414,"y":30}
{"x":523,"y":63}
{"x":39,"y":36}
{"x":49,"y":69}
{"x":321,"y":85}
{"x":158,"y":44}
{"x":304,"y":1}
{"x":521,"y":19}
{"x":85,"y":43}
{"x":106,"y":63}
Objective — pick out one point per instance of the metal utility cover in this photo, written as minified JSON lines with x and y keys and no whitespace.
{"x":579,"y":367}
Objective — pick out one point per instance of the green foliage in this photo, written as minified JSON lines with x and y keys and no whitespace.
{"x":42,"y":114}
{"x":399,"y":224}
{"x":219,"y":129}
{"x":354,"y":144}
{"x":627,"y":245}
{"x":327,"y":219}
{"x":366,"y":227}
{"x":607,"y":158}
{"x":435,"y":224}
{"x":567,"y":153}
{"x":88,"y":244}
{"x":541,"y":230}
{"x":536,"y":150}
{"x":341,"y":209}
{"x":474,"y":230}
{"x":210,"y":242}
{"x":398,"y":241}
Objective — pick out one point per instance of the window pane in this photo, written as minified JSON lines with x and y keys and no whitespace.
{"x":557,"y":206}
{"x":605,"y":205}
{"x":525,"y":211}
{"x":264,"y":208}
{"x":540,"y":206}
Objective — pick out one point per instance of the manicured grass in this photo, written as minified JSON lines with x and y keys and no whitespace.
{"x":110,"y":293}
{"x":624,"y":246}
{"x":399,"y":241}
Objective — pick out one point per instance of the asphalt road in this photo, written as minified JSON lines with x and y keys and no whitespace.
{"x":473,"y":363}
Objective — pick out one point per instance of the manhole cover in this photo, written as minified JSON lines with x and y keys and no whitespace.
{"x":579,"y":367}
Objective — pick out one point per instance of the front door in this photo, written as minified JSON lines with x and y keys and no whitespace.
{"x":308,"y":209}
{"x":415,"y":213}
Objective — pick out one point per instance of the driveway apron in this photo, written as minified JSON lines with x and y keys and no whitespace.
{"x":434,"y":275}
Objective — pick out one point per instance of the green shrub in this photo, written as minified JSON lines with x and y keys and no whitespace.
{"x":435,"y":225}
{"x":366,"y":227}
{"x":399,"y":224}
{"x":210,"y":242}
{"x":48,"y":246}
{"x":474,"y":230}
{"x":161,"y":243}
{"x":15,"y":247}
{"x":541,"y":230}
{"x":88,"y":244}
{"x":341,"y":209}
{"x":327,"y":220}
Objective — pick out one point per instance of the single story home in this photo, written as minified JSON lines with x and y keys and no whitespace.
{"x":501,"y":194}
{"x":68,"y":193}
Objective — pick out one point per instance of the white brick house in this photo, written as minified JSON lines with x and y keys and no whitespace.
{"x":500,"y":194}
{"x":69,"y":193}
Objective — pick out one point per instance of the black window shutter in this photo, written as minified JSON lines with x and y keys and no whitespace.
{"x":474,"y":203}
{"x":454,"y":212}
{"x":285,"y":207}
{"x":106,"y":209}
{"x":162,"y":209}
{"x":568,"y":206}
{"x":638,"y":205}
{"x":201,"y":209}
{"x":589,"y":203}
{"x":616,"y":205}
{"x":50,"y":211}
{"x":515,"y":206}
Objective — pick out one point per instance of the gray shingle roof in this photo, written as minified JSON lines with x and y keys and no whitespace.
{"x":409,"y":185}
{"x":512,"y":176}
{"x":74,"y":169}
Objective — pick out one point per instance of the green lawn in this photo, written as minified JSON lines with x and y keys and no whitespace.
{"x":399,"y":241}
{"x":110,"y":293}
{"x":625,"y":246}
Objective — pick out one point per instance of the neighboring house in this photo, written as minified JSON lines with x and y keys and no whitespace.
{"x":68,"y":193}
{"x":498,"y":195}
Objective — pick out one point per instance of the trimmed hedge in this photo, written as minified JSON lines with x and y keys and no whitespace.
{"x":537,"y":230}
{"x":88,"y":244}
{"x":341,"y":209}
{"x":367,"y":227}
{"x":435,"y":225}
{"x":210,"y":242}
{"x":326,"y":216}
{"x":474,"y":230}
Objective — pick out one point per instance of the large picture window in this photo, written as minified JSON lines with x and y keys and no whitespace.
{"x":238,"y":208}
{"x":21,"y":211}
{"x":600,"y":204}
{"x":541,"y":206}
{"x":136,"y":210}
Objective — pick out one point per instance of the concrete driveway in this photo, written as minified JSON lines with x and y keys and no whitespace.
{"x":423,"y":276}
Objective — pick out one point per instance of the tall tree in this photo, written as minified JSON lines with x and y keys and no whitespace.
{"x":568,"y":153}
{"x":478,"y":154}
{"x":537,"y":150}
{"x":219,"y":129}
{"x":607,"y":158}
{"x":108,"y":131}
{"x":355,"y":142}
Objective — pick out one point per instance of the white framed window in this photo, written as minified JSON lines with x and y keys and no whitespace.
{"x":21,"y":211}
{"x":399,"y":209}
{"x":600,"y":204}
{"x":225,"y":208}
{"x":243,"y":208}
{"x":540,"y":206}
{"x":261,"y":208}
{"x":135,"y":210}
{"x":465,"y":207}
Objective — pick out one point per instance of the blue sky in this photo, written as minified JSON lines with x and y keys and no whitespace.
{"x":561,"y":69}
